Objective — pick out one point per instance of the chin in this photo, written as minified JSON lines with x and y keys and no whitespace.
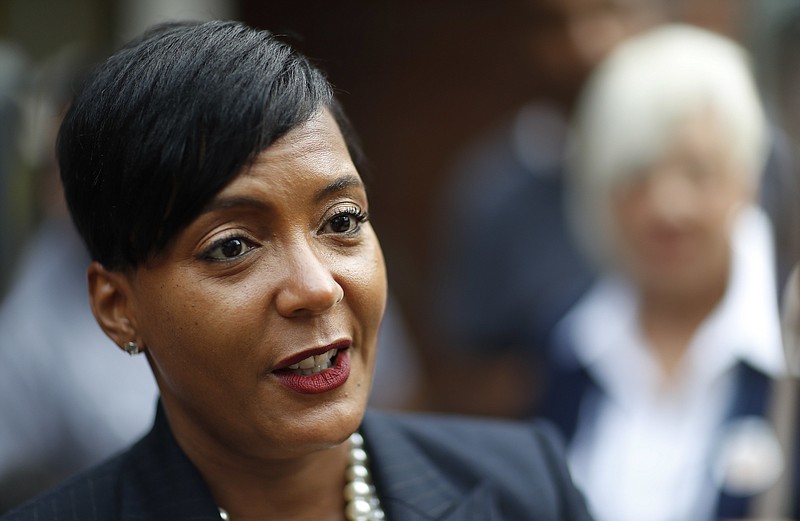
{"x":327,"y":427}
{"x":308,"y":422}
{"x":344,"y":410}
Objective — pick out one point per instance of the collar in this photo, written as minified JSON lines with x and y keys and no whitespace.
{"x":748,"y":318}
{"x":603,"y":332}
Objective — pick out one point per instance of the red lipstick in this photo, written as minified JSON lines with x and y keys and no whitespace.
{"x":322,"y":381}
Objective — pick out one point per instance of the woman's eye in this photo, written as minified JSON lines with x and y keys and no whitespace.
{"x":345,"y":222}
{"x":227,"y":249}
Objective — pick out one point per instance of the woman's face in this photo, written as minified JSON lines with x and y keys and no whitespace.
{"x":673,"y":221}
{"x":281,"y":267}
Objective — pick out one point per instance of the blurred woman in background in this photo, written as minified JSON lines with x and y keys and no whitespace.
{"x":666,"y":364}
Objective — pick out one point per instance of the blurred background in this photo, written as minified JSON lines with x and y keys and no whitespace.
{"x":454,"y":101}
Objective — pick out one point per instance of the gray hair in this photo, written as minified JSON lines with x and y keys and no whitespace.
{"x":633,"y":105}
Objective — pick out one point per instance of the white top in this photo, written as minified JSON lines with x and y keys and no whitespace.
{"x":644,"y":452}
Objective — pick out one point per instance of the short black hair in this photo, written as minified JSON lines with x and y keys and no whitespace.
{"x":161,"y":126}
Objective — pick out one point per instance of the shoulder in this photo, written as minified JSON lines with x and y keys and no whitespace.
{"x":522,"y":464}
{"x":461,"y":431}
{"x":512,"y":444}
{"x":154,"y":479}
{"x":88,"y":496}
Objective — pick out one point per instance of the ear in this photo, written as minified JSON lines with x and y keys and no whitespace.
{"x":110,"y":296}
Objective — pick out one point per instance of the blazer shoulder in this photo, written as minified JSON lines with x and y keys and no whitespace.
{"x":88,"y":496}
{"x":459,"y":436}
{"x":522,"y":462}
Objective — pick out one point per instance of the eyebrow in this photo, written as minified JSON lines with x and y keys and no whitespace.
{"x":342,"y":183}
{"x":223,"y":203}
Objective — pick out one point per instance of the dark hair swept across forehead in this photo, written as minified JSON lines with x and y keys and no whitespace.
{"x":165,"y":123}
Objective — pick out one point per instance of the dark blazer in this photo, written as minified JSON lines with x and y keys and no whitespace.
{"x":424,"y":468}
{"x":574,"y":388}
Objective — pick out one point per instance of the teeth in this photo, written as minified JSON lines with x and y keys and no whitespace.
{"x":314,"y":364}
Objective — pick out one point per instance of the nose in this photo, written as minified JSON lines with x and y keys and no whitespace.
{"x":672,"y":199}
{"x":308,"y":286}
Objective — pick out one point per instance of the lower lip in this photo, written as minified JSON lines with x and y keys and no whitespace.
{"x":322,"y":382}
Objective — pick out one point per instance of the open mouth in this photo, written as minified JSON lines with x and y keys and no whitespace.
{"x":317,"y":373}
{"x":314,"y":364}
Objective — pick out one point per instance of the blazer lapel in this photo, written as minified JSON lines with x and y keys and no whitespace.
{"x":161,"y":484}
{"x":751,"y":400}
{"x":411,"y":488}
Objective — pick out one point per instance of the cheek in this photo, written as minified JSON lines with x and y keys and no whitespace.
{"x":173,"y":313}
{"x":185,"y":328}
{"x":169,"y":329}
{"x":724,"y":199}
{"x":718,"y":223}
{"x":366,"y":286}
{"x":205,"y":348}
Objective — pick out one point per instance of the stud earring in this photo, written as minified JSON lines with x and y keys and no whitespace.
{"x":132,"y":348}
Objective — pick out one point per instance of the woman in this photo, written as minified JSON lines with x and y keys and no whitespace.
{"x":667,"y":363}
{"x":208,"y":168}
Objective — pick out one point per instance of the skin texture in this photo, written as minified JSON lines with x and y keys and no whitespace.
{"x":279,"y":263}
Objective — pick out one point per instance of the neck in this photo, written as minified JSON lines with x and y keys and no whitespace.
{"x":298,"y":490}
{"x":252,"y":488}
{"x":670,"y":319}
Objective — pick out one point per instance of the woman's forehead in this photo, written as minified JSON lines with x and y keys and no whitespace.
{"x":311,"y":157}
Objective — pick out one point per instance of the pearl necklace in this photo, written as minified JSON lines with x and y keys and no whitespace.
{"x":359,"y":492}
